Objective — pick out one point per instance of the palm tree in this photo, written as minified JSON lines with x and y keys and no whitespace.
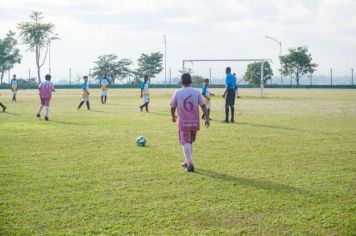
{"x":37,"y":36}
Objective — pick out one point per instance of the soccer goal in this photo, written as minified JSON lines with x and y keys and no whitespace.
{"x":262,"y":61}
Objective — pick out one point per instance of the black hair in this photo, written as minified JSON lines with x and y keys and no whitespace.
{"x":186,"y":79}
{"x":205,"y":80}
{"x":85,"y":77}
{"x":48,"y":77}
{"x":228,"y":69}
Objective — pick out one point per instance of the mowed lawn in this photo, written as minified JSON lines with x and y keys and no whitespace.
{"x":287,"y":167}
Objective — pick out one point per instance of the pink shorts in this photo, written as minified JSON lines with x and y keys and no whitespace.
{"x":187,"y":136}
{"x":45,"y":101}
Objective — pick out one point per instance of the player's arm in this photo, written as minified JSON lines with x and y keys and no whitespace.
{"x":86,"y":91}
{"x":173,"y":113}
{"x":206,"y":115}
{"x":224,"y":95}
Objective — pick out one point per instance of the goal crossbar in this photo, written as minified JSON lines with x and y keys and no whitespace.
{"x":229,"y":60}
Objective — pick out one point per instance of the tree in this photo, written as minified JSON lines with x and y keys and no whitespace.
{"x":116,"y":69}
{"x":253,"y":73}
{"x":9,"y":54}
{"x":37,"y":36}
{"x":297,"y":63}
{"x":149,"y":64}
{"x":197,"y":80}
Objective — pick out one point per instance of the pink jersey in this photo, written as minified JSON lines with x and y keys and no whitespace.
{"x":187,"y":101}
{"x":46,"y":88}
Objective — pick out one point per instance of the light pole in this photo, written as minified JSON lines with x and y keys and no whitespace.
{"x":165,"y":59}
{"x":352,"y":76}
{"x":280,"y":52}
{"x":54,"y":37}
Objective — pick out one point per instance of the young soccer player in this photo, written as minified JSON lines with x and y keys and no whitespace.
{"x":237,"y":86}
{"x":145,"y":93}
{"x":14,"y":84}
{"x":187,"y":101}
{"x":207,"y":95}
{"x":104,"y":83}
{"x":45,"y":88}
{"x":229,"y":95}
{"x":85,"y":95}
{"x":3,"y":106}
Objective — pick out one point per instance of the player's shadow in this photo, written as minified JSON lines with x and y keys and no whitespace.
{"x":269,"y":126}
{"x":258,"y":184}
{"x":10,"y":113}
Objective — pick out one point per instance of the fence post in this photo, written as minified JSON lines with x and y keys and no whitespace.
{"x":70,"y":76}
{"x":331,"y":77}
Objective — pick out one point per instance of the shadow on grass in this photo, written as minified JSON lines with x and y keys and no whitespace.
{"x":9,"y":113}
{"x":258,"y":184}
{"x":270,"y":126}
{"x":65,"y":122}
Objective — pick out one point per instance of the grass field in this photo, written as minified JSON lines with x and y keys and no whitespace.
{"x":287,"y":167}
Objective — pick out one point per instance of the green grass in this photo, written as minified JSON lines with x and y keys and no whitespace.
{"x":287,"y":167}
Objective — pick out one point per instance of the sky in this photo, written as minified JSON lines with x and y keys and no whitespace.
{"x":199,"y":29}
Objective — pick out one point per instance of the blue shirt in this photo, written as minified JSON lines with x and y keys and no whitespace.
{"x":204,"y":90}
{"x":230,"y":82}
{"x":85,"y":85}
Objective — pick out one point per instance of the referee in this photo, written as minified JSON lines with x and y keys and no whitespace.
{"x":229,"y":95}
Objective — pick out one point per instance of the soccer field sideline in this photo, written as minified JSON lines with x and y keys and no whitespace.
{"x":289,"y":167}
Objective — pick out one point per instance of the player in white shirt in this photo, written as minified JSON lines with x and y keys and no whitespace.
{"x":104,"y":83}
{"x":14,"y":84}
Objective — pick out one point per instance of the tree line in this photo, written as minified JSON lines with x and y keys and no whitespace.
{"x":38,"y":35}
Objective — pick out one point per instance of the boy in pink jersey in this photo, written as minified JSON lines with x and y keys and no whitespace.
{"x":187,"y":101}
{"x":45,"y":88}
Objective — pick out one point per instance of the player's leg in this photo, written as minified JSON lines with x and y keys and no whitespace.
{"x":105,"y":98}
{"x":232,"y":113}
{"x":147,"y":100}
{"x":14,"y":96}
{"x":3,"y":107}
{"x":227,"y":113}
{"x":80,"y":104}
{"x":47,"y":108}
{"x":87,"y":102}
{"x":40,"y":107}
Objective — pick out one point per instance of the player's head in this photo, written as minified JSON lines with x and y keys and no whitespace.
{"x":228,"y":70}
{"x":14,"y":76}
{"x":145,"y":78}
{"x":234,"y":74}
{"x":48,"y":77}
{"x":186,"y":79}
{"x":206,"y":82}
{"x":85,"y":78}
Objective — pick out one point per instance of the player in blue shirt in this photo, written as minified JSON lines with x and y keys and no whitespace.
{"x":145,"y":93}
{"x":229,"y":95}
{"x":104,"y":83}
{"x":14,"y":84}
{"x":85,"y":95}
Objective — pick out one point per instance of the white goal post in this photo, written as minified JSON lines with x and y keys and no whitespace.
{"x":227,"y":60}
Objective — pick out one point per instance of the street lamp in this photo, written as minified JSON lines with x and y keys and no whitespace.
{"x":165,"y":59}
{"x":54,"y":37}
{"x":280,"y":52}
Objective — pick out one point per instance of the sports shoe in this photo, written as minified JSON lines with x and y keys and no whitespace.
{"x":4,"y":109}
{"x":141,"y":108}
{"x":46,"y":118}
{"x":184,"y":165}
{"x":38,"y":116}
{"x":190,"y":168}
{"x":232,"y":121}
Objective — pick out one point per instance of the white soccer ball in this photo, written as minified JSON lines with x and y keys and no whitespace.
{"x":141,"y":141}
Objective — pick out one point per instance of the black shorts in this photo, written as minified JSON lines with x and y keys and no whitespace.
{"x":230,"y":97}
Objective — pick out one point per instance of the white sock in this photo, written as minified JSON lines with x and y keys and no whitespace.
{"x":47,"y":108}
{"x":40,"y":109}
{"x":187,"y":153}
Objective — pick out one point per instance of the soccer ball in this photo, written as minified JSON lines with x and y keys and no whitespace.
{"x":141,"y":141}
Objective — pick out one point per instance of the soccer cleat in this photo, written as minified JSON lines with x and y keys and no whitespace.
{"x":190,"y":168}
{"x":46,"y":118}
{"x":38,"y":116}
{"x":232,"y":121}
{"x":184,"y":165}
